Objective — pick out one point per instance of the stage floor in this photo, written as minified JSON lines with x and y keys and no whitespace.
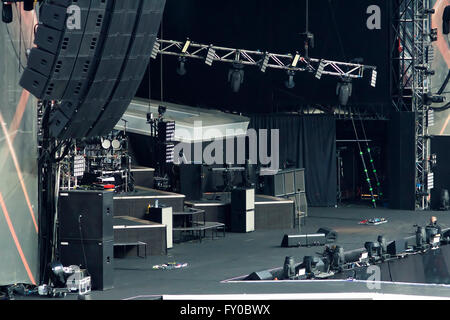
{"x":212,"y":262}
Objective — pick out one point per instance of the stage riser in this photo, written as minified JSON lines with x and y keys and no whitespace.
{"x":267,"y":216}
{"x":154,"y":237}
{"x":137,"y":207}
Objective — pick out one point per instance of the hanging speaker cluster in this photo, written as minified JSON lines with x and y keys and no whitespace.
{"x":90,"y":58}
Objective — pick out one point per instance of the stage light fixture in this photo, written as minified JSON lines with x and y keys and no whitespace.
{"x":420,"y":237}
{"x":295,"y":60}
{"x":320,"y":69}
{"x":445,"y":200}
{"x":425,"y":69}
{"x":265,"y":62}
{"x":181,"y":69}
{"x":290,"y":83}
{"x":236,"y":77}
{"x":7,"y":14}
{"x":373,"y":82}
{"x":344,"y":90}
{"x":210,"y":56}
{"x":155,"y":50}
{"x":428,"y":99}
{"x":383,"y":245}
{"x":289,"y":268}
{"x":186,"y":46}
{"x":434,"y":34}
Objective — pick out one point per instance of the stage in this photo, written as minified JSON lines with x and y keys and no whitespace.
{"x":213,"y":264}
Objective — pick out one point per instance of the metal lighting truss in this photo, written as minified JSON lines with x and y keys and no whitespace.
{"x":412,"y":60}
{"x":263,"y":60}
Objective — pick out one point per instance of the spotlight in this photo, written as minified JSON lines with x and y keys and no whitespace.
{"x":434,"y":34}
{"x":28,"y":5}
{"x":265,"y":62}
{"x":344,"y":90}
{"x":57,"y":274}
{"x":155,"y":50}
{"x":445,"y":200}
{"x":236,"y":77}
{"x":420,"y":237}
{"x":181,"y":70}
{"x":290,"y":82}
{"x":373,"y":82}
{"x":383,"y":245}
{"x":210,"y":56}
{"x":320,"y":69}
{"x":428,"y":99}
{"x":289,"y":268}
{"x":7,"y":14}
{"x":162,"y":110}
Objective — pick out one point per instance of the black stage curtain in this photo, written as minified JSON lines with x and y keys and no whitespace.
{"x":401,"y":155}
{"x":307,"y":141}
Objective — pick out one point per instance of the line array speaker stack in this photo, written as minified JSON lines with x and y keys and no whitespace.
{"x":86,"y":235}
{"x":242,"y":210}
{"x":90,"y":57}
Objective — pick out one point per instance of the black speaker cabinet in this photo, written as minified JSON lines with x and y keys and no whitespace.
{"x":242,"y":199}
{"x":313,"y":239}
{"x":261,"y":275}
{"x":243,"y":210}
{"x":86,"y":215}
{"x":191,"y":181}
{"x":397,"y":246}
{"x":95,"y":256}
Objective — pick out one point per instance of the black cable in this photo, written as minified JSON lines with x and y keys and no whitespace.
{"x":82,"y":244}
{"x":14,"y":47}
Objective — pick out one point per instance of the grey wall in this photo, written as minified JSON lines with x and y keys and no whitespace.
{"x":18,"y":191}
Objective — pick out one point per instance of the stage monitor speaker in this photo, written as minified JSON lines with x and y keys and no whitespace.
{"x":261,"y":275}
{"x":242,"y":199}
{"x":191,"y":181}
{"x":397,"y":246}
{"x":92,"y":65}
{"x":330,"y":235}
{"x":86,"y":215}
{"x":95,"y":256}
{"x":302,"y":240}
{"x":242,"y":221}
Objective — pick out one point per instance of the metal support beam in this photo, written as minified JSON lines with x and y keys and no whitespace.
{"x":263,"y":60}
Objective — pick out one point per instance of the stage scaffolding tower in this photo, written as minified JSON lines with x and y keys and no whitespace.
{"x":411,"y":62}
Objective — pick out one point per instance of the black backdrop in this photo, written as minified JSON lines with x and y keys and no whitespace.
{"x":401,"y":153}
{"x":440,"y":147}
{"x":308,"y":142}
